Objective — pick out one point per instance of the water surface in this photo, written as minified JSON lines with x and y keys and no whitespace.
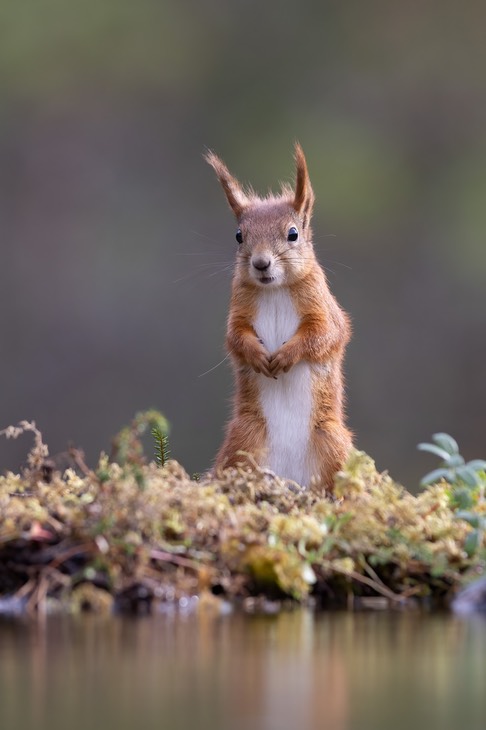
{"x":294,"y":671}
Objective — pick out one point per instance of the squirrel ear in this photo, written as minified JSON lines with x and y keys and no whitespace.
{"x":304,"y":195}
{"x":235,"y":194}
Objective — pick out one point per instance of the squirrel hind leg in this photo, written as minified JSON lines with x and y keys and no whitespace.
{"x":331,"y":446}
{"x":243,"y":436}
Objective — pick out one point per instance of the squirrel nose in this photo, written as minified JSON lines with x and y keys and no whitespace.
{"x":261,"y":263}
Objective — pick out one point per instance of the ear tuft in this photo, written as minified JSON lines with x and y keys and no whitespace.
{"x":304,"y":195}
{"x":235,"y":194}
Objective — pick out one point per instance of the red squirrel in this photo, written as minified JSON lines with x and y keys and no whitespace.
{"x":286,"y":337}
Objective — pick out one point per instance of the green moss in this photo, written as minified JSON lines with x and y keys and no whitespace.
{"x":243,"y":533}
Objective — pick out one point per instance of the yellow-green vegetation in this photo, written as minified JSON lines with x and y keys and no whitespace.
{"x":133,"y":533}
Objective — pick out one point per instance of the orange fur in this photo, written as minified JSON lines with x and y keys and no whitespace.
{"x":321,"y":335}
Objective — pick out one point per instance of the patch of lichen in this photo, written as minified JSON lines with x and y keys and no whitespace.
{"x":143,"y":530}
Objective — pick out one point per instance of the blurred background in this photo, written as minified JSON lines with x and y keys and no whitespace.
{"x":117,"y":243}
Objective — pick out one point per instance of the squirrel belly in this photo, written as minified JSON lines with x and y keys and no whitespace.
{"x":286,"y":402}
{"x":291,"y":424}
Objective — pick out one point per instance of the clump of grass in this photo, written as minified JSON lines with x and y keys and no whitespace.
{"x":90,"y":535}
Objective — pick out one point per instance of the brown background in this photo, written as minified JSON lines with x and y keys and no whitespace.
{"x":116,"y":241}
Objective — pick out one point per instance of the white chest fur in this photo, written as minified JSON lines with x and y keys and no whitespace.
{"x":286,"y":402}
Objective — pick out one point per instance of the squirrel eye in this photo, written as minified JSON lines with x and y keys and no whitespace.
{"x":293,"y":234}
{"x":239,"y":236}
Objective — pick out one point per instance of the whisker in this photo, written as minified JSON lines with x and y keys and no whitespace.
{"x":211,"y":263}
{"x":186,"y":277}
{"x":202,"y":235}
{"x":223,"y":266}
{"x":198,"y":253}
{"x":325,"y":262}
{"x":339,"y":263}
{"x":215,"y":263}
{"x":295,"y":258}
{"x":221,"y":271}
{"x":214,"y":366}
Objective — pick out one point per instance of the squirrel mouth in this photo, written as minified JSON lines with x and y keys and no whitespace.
{"x":266,"y":279}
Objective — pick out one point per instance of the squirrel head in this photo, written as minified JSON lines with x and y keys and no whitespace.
{"x":274,"y":234}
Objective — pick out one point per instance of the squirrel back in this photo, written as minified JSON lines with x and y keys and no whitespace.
{"x":286,"y":336}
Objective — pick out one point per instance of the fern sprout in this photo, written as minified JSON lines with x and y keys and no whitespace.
{"x":162,"y":450}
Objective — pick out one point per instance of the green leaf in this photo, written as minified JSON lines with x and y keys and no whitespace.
{"x":472,"y":542}
{"x":436,"y":450}
{"x":343,"y":520}
{"x":446,"y":442}
{"x":477,"y":464}
{"x":471,"y":518}
{"x":435,"y":476}
{"x":455,"y":461}
{"x":469,"y":476}
{"x":462,"y":498}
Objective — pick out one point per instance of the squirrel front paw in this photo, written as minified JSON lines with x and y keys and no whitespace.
{"x":282,"y":360}
{"x":258,"y":358}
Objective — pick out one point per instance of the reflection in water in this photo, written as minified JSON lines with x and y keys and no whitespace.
{"x":294,"y":671}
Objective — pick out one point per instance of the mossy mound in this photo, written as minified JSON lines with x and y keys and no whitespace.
{"x":135,"y":534}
